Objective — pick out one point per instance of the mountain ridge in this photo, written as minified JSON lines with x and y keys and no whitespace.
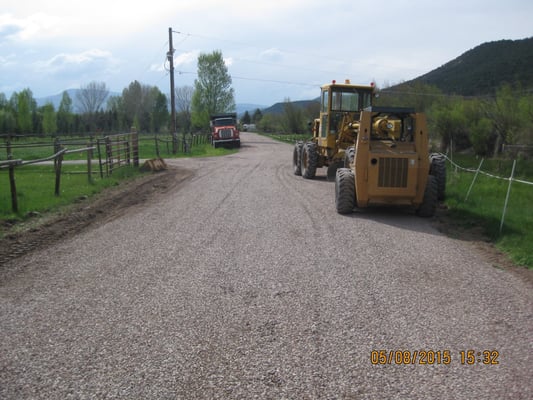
{"x":484,"y":68}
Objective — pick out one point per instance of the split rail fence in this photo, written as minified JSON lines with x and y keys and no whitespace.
{"x":114,"y":151}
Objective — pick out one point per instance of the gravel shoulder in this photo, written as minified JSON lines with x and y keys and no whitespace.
{"x":42,"y":230}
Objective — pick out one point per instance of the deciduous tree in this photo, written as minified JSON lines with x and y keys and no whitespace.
{"x":49,"y":119}
{"x":25,"y":107}
{"x":65,"y":117}
{"x":212,"y":89}
{"x":90,"y":98}
{"x":183,"y":106}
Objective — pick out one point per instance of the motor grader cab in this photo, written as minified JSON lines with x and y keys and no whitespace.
{"x":390,"y":164}
{"x":334,"y":130}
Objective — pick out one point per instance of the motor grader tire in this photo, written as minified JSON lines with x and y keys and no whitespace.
{"x":309,"y":160}
{"x":438,"y":170}
{"x":332,"y":170}
{"x":296,"y":156}
{"x":349,"y":157}
{"x":429,"y":204}
{"x":344,"y":191}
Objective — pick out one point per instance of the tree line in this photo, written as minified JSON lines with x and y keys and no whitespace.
{"x":141,"y":106}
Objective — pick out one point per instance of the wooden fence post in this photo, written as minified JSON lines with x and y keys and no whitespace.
{"x":109,"y":156}
{"x":57,"y":148}
{"x":100,"y":158}
{"x":89,"y":161}
{"x":135,"y":146}
{"x":12,"y":184}
{"x":59,"y":161}
{"x":156,"y":146}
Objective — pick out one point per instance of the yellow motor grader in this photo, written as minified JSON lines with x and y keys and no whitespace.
{"x":340,"y":107}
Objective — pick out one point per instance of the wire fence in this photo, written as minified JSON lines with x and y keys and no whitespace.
{"x":477,"y":171}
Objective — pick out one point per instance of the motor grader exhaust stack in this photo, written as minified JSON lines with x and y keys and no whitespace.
{"x":390,"y":164}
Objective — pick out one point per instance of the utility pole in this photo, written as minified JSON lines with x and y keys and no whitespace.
{"x":170,"y":57}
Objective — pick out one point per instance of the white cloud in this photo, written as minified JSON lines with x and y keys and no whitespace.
{"x":8,"y":60}
{"x":65,"y":60}
{"x":271,"y":55}
{"x":35,"y":26}
{"x":186,"y":59}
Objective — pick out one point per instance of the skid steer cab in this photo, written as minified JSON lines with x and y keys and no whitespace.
{"x":334,"y":130}
{"x":389,"y":164}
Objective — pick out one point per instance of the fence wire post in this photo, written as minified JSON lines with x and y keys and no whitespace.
{"x":507,"y":197}
{"x":135,"y":146}
{"x":156,"y":146}
{"x":12,"y":182}
{"x":474,"y":180}
{"x":89,"y":161}
{"x":59,"y":161}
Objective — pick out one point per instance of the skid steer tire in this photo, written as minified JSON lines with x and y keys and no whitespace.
{"x":429,"y":204}
{"x":438,"y":170}
{"x":349,"y":157}
{"x":296,"y":156}
{"x":344,"y":191}
{"x":309,"y":160}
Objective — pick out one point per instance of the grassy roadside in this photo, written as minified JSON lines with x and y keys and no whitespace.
{"x":485,"y":204}
{"x":35,"y":188}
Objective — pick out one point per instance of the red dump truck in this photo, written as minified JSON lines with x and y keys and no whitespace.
{"x":224,"y":130}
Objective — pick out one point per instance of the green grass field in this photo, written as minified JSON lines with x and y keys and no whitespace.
{"x":36,"y":184}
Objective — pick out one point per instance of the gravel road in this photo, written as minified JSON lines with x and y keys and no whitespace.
{"x":243,"y":282}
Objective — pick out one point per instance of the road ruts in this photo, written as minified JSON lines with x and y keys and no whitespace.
{"x":244,"y":283}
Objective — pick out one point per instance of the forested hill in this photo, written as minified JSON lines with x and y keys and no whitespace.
{"x":485,"y":68}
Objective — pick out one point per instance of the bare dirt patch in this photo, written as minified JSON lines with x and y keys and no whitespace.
{"x":40,"y":231}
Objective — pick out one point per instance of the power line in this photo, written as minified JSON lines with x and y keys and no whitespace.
{"x":259,"y":79}
{"x":286,"y":52}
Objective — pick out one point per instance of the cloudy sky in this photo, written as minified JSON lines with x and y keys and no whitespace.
{"x":274,"y":49}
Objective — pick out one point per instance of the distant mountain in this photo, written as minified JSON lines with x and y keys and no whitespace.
{"x":243,"y":107}
{"x":483,"y":69}
{"x":278,"y":107}
{"x":56,"y":99}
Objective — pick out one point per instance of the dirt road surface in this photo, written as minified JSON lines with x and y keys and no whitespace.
{"x":238,"y":280}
